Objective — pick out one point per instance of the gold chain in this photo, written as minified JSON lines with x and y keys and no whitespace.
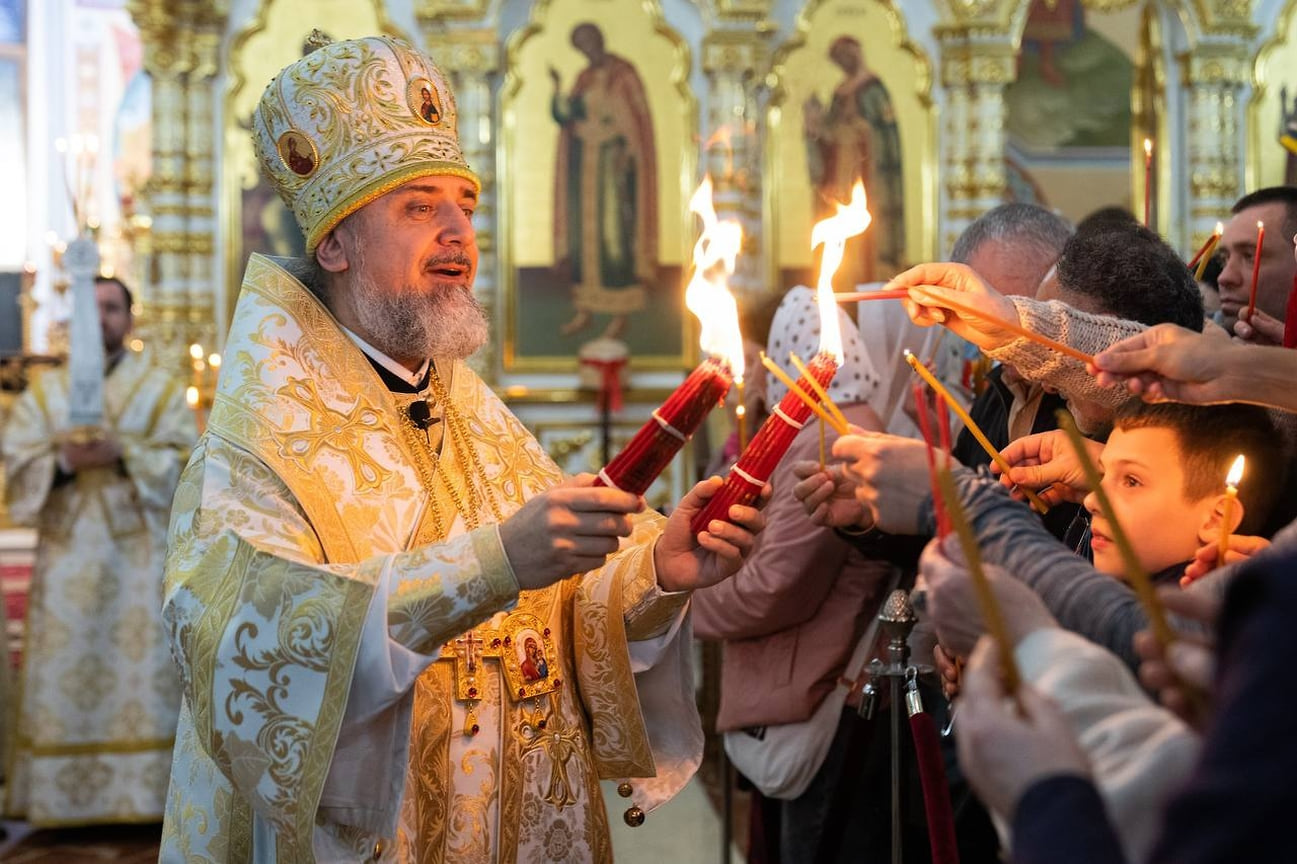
{"x":459,"y":432}
{"x":469,"y":464}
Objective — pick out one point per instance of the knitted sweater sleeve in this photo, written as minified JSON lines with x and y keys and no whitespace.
{"x":1081,"y":330}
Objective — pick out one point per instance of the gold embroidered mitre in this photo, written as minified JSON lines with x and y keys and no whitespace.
{"x":351,"y":121}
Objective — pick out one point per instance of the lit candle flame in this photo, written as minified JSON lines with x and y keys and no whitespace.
{"x":214,"y":361}
{"x":1148,"y":147}
{"x":708,"y":295}
{"x":1220,"y":228}
{"x":191,"y":396}
{"x":1235,"y":472}
{"x":196,"y":351}
{"x":851,"y":219}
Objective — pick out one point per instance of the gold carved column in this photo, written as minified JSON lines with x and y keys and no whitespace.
{"x":1215,"y":71}
{"x":977,"y":62}
{"x":201,"y":186}
{"x":181,"y":44}
{"x":734,"y":60}
{"x":466,"y":47}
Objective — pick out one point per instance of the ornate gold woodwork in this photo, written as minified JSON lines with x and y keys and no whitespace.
{"x":181,"y":53}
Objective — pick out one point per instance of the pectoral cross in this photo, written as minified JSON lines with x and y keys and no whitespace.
{"x":560,"y":743}
{"x":466,"y":664}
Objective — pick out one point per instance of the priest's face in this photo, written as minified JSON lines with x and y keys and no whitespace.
{"x":407,"y":262}
{"x":1275,"y":278}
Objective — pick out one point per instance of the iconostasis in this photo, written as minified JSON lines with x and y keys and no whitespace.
{"x":944,"y":109}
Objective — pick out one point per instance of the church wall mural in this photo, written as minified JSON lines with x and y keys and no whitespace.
{"x":1069,"y":111}
{"x":851,"y":100}
{"x":593,"y":173}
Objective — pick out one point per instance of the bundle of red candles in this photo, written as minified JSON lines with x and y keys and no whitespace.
{"x":658,"y":441}
{"x":747,"y":478}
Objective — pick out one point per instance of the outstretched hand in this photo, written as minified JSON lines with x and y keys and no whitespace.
{"x":829,"y":496}
{"x":1168,"y":362}
{"x":685,"y":562}
{"x":929,"y":284}
{"x":953,"y":605}
{"x":1046,"y":461}
{"x":891,"y":474}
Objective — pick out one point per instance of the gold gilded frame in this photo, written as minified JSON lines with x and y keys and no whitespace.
{"x":510,"y":162}
{"x":1148,"y":117}
{"x":275,"y":25}
{"x":785,"y":156}
{"x":1266,"y":159}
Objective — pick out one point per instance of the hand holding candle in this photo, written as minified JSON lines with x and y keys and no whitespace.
{"x":1227,"y":508}
{"x":973,"y":429}
{"x":1256,"y":270}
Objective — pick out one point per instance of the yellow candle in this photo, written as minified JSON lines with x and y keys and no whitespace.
{"x":825,"y":399}
{"x":1038,"y":505}
{"x":810,"y":403}
{"x":1227,"y":510}
{"x":1136,"y":575}
{"x":985,"y":596}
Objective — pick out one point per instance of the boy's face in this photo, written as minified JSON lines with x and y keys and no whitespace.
{"x":1143,"y":474}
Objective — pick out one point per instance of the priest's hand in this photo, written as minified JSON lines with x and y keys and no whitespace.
{"x":929,"y":284}
{"x":1046,"y":461}
{"x":569,"y":529}
{"x":99,"y":453}
{"x":891,"y":474}
{"x":685,"y":562}
{"x":1006,"y":747}
{"x":829,"y":496}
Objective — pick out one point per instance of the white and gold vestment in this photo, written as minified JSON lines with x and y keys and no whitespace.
{"x":325,"y":555}
{"x":98,"y":692}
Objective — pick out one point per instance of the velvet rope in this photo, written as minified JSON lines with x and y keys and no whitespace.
{"x":936,"y":792}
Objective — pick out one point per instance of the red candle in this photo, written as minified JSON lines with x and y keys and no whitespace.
{"x":758,"y":460}
{"x":658,"y":441}
{"x":925,"y":428}
{"x":1256,"y":270}
{"x":1148,"y":182}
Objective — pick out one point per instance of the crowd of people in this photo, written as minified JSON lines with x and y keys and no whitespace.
{"x":381,"y":651}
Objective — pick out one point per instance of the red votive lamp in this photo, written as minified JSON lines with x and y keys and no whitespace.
{"x":758,"y":460}
{"x":659,"y":440}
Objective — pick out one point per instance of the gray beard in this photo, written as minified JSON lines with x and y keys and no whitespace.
{"x":447,"y":321}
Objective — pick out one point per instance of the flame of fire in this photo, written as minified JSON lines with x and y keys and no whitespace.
{"x":1220,"y":228}
{"x":708,"y":295}
{"x":1235,"y":471}
{"x":851,"y":219}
